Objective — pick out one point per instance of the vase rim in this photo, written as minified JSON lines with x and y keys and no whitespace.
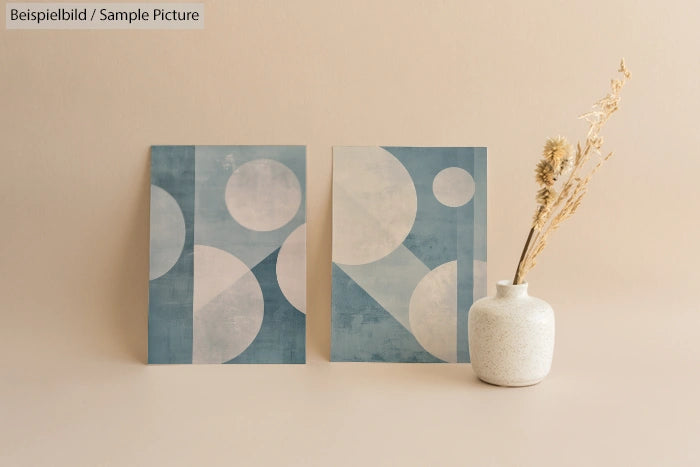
{"x":509,"y":283}
{"x":506,"y":289}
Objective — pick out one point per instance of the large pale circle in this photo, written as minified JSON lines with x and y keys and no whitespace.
{"x":228,"y":306}
{"x":291,"y":268}
{"x":263,"y":195}
{"x":453,"y":187}
{"x":167,"y":232}
{"x":374,"y":204}
{"x":433,"y":312}
{"x":480,"y":284}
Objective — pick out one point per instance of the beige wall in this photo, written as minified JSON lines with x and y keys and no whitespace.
{"x":81,"y":108}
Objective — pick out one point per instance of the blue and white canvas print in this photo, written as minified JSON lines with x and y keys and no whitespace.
{"x":227,"y":280}
{"x":409,"y":252}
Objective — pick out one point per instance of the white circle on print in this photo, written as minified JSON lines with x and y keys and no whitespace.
{"x":263,"y":195}
{"x":433,"y":312}
{"x":453,"y":187}
{"x":227,"y":306}
{"x":167,"y":232}
{"x":374,"y":204}
{"x":291,"y":268}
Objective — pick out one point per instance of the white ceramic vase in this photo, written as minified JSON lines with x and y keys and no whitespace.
{"x":511,"y":337}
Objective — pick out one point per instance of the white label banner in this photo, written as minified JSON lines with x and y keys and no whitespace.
{"x":104,"y":15}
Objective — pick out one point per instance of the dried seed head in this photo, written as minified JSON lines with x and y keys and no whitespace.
{"x":546,"y":196}
{"x":545,"y":175}
{"x":556,"y":149}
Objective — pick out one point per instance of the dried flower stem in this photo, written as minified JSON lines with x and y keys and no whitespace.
{"x":516,"y":280}
{"x":554,"y":208}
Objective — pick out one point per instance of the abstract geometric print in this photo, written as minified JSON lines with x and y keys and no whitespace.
{"x":409,"y":252}
{"x":228,"y":254}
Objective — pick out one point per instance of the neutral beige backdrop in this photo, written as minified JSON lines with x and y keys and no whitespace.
{"x":81,"y":108}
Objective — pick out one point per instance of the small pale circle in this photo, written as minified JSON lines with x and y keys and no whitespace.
{"x":263,"y":195}
{"x":453,"y":187}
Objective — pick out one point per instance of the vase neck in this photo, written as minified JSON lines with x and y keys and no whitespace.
{"x":506,"y":289}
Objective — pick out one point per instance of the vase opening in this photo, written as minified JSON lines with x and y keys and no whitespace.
{"x":506,"y":289}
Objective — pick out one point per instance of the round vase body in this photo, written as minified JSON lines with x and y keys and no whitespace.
{"x":511,"y":337}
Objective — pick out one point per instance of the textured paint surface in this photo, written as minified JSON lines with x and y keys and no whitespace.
{"x":228,"y":306}
{"x":433,"y":311}
{"x":363,"y":331}
{"x":374,"y":204}
{"x":291,"y":268}
{"x":170,"y":295}
{"x":219,"y":300}
{"x":281,"y":338}
{"x":167,"y":232}
{"x":409,"y":252}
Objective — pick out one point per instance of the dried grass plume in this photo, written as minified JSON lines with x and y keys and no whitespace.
{"x":572,"y":171}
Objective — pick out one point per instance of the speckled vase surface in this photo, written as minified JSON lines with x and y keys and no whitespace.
{"x":511,"y":337}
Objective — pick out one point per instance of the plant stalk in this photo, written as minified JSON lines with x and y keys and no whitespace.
{"x":517,"y":277}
